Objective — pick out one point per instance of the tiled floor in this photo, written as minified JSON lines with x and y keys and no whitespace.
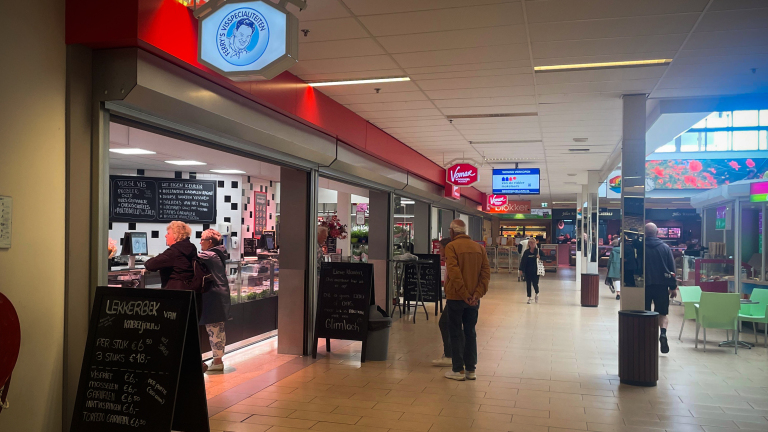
{"x":546,"y":367}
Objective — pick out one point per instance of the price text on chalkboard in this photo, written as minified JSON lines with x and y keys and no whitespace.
{"x":430,"y":280}
{"x":344,"y":300}
{"x":150,"y":199}
{"x":250,"y":247}
{"x":140,"y":369}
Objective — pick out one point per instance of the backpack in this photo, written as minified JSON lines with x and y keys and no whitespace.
{"x":202,"y":281}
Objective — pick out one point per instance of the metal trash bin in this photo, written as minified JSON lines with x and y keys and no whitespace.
{"x":377,"y":346}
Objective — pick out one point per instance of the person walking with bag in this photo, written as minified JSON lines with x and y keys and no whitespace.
{"x":613,"y":278}
{"x":529,"y":266}
{"x":216,"y":301}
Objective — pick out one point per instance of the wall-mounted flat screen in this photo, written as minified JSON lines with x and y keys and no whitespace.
{"x":519,"y":181}
{"x":135,"y":243}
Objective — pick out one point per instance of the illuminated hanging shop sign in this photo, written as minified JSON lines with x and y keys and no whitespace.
{"x":247,"y":40}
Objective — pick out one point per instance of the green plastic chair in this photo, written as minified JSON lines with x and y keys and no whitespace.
{"x":718,"y":311}
{"x":757,"y":313}
{"x":689,"y":296}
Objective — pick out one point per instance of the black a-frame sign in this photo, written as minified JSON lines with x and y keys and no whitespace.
{"x":142,"y":366}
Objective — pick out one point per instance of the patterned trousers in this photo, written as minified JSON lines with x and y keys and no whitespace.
{"x":217,"y":337}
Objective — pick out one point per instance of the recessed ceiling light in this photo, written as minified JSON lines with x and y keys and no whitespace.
{"x":131,"y":151}
{"x":478,"y":116}
{"x":654,"y":62}
{"x":580,"y":139}
{"x":571,"y":174}
{"x":578,"y":149}
{"x":228,"y":171}
{"x":362,"y":81}
{"x":185,"y":162}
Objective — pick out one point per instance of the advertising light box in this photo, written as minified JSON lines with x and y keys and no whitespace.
{"x":522,"y":181}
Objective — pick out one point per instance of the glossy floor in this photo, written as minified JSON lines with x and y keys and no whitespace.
{"x":546,"y":367}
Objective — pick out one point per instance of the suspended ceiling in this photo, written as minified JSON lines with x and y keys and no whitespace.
{"x":477,"y":58}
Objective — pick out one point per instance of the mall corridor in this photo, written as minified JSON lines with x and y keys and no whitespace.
{"x":546,"y":367}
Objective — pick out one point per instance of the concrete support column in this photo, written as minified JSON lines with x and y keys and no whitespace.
{"x":593,"y":224}
{"x":495,"y":231}
{"x":379,"y":244}
{"x":579,"y":227}
{"x":633,"y":201}
{"x":343,"y":211}
{"x":421,"y":227}
{"x":295,"y":247}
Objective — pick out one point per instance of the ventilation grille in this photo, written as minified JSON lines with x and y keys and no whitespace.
{"x":499,"y":115}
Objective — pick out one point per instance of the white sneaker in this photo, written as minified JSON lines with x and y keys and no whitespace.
{"x":216,"y":367}
{"x":470,"y":375}
{"x":442,"y":362}
{"x":537,"y":298}
{"x":458,"y":376}
{"x":529,"y":300}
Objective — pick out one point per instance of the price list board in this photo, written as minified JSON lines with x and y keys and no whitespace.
{"x":259,"y":212}
{"x":430,"y":280}
{"x":152,"y":199}
{"x":344,"y":300}
{"x":139,"y":369}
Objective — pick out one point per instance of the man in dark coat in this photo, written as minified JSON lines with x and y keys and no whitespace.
{"x":660,"y":281}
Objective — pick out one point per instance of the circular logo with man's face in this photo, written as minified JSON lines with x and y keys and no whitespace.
{"x":242,"y":36}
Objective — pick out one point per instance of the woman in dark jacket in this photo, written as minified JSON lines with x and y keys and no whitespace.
{"x":216,"y":301}
{"x":176,"y":263}
{"x":529,"y":265}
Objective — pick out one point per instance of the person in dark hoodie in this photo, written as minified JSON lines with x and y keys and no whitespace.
{"x":216,"y":301}
{"x":660,"y":282}
{"x":175,"y":264}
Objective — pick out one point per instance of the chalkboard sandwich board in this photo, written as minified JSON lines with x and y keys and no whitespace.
{"x":430,"y":280}
{"x":154,"y":199}
{"x":345,"y":296}
{"x":141,"y":369}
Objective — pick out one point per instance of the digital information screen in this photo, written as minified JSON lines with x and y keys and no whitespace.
{"x":516,"y":181}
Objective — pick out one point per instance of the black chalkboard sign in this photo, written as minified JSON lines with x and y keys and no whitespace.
{"x":345,"y":296}
{"x":141,"y":369}
{"x":151,"y":199}
{"x":250,"y":247}
{"x":430,"y":280}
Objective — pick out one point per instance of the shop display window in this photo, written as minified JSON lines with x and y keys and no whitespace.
{"x":751,"y":263}
{"x":254,"y":279}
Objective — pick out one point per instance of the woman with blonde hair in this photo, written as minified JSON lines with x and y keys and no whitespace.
{"x":175,"y":264}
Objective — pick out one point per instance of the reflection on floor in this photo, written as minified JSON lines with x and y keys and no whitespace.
{"x":546,"y":367}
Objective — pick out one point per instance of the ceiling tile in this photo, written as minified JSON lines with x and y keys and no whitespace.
{"x":339,"y":49}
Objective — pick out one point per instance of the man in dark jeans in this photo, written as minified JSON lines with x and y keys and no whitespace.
{"x":467,"y":274}
{"x":660,"y":282}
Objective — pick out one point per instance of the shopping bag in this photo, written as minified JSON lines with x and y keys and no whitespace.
{"x":540,"y":268}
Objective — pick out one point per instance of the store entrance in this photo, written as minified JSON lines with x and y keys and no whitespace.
{"x":225,"y":202}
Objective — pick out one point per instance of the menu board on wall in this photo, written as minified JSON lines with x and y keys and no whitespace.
{"x":141,"y":368}
{"x":250,"y":247}
{"x":430,"y":280}
{"x":344,"y":299}
{"x":150,"y":199}
{"x":259,"y":212}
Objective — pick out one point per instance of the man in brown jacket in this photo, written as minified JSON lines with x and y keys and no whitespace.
{"x":467,"y":274}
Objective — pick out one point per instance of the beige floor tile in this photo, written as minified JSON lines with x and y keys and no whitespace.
{"x":399,"y":424}
{"x":303,"y":406}
{"x":231,"y":416}
{"x":237,"y":426}
{"x":260,"y":410}
{"x":280,"y":421}
{"x":365,"y":412}
{"x":338,"y":427}
{"x":403,"y":408}
{"x":343,"y":402}
{"x":325,"y":417}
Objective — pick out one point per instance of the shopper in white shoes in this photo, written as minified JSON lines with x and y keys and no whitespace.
{"x":529,"y":265}
{"x":445,"y":360}
{"x":216,"y":302}
{"x":468,"y":274}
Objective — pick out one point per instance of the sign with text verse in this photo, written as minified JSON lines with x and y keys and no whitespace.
{"x":247,"y":40}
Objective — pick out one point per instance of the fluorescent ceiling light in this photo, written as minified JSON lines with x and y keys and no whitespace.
{"x":185,"y":162}
{"x":603,"y":65}
{"x":362,"y":81}
{"x":131,"y":151}
{"x":228,"y":171}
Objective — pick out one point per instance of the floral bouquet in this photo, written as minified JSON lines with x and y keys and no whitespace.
{"x":335,"y":227}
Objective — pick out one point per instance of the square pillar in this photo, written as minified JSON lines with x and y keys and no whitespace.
{"x":379,"y":233}
{"x":344,"y":212}
{"x":633,"y":202}
{"x":295,"y":248}
{"x":421,"y":216}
